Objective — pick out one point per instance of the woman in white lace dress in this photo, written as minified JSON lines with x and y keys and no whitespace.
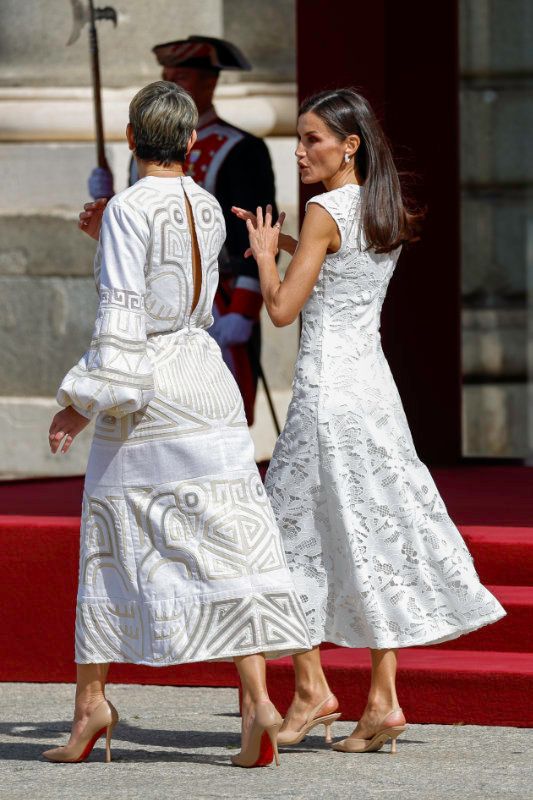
{"x":180,"y":559}
{"x":375,"y":557}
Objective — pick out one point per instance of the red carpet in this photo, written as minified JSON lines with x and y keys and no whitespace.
{"x":502,"y":554}
{"x":434,"y":686}
{"x":474,"y":495}
{"x":483,"y":678}
{"x":39,"y":568}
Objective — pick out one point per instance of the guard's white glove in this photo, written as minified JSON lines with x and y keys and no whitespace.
{"x":100,"y":183}
{"x":231,"y":329}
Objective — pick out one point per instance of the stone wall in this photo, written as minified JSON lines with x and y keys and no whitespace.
{"x":34,"y":34}
{"x":47,"y":294}
{"x":496,"y":95}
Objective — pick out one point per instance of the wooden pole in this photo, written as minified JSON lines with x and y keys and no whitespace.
{"x":97,"y":96}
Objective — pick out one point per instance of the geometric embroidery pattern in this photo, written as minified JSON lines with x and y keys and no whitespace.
{"x":175,"y":585}
{"x":180,"y":556}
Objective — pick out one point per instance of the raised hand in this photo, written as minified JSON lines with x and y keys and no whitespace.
{"x":263,"y":235}
{"x":64,"y":428}
{"x":243,"y":214}
{"x":246,"y":216}
{"x":90,"y":219}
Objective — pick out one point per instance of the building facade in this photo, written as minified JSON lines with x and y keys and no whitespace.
{"x":47,"y":151}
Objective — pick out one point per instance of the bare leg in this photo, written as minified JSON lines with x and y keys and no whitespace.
{"x":252,"y":672}
{"x":311,"y":688}
{"x":90,"y":691}
{"x":382,"y":697}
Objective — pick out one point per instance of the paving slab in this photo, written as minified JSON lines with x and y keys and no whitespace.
{"x":176,"y":743}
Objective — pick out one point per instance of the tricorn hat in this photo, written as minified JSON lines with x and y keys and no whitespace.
{"x":201,"y":52}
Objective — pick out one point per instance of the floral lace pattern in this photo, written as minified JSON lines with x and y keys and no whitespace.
{"x":375,"y":557}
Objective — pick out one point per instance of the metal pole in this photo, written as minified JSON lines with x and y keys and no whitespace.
{"x":97,"y":96}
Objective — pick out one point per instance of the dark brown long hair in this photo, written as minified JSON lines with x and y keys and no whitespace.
{"x":387,"y":220}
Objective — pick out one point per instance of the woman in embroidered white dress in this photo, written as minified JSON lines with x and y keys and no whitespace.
{"x":180,"y":558}
{"x":375,"y":558}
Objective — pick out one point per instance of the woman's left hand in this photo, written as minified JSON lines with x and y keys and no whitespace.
{"x":65,"y":426}
{"x":263,"y":235}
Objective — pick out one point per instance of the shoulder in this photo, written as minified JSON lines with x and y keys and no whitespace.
{"x":127,"y":197}
{"x":336,"y":209}
{"x":342,"y":205}
{"x":319,"y":222}
{"x":205,"y":199}
{"x":197,"y":192}
{"x":124,"y":218}
{"x":338,"y":199}
{"x":127,"y":204}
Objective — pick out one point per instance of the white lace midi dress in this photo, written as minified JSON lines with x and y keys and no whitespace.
{"x":181,"y":559}
{"x":376,"y":560}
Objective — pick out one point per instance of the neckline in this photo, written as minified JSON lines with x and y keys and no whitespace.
{"x":355,"y":185}
{"x":163,"y":178}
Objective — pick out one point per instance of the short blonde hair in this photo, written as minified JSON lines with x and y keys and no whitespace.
{"x":163,"y":117}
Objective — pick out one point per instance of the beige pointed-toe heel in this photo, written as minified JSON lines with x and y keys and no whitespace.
{"x":290,"y":737}
{"x":262,"y":747}
{"x":386,"y":731}
{"x":101,"y":721}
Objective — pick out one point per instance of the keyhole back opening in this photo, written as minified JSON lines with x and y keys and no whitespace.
{"x":196,"y":257}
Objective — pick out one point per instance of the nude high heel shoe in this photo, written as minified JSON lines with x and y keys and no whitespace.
{"x":387,"y":730}
{"x":262,"y":745}
{"x":101,"y":721}
{"x":288,"y":736}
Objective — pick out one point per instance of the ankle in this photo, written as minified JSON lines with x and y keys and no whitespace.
{"x":261,"y":698}
{"x":312,"y":692}
{"x":382,"y":703}
{"x":251,"y":701}
{"x":87,"y":702}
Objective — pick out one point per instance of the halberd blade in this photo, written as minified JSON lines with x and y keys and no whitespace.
{"x":80,"y":15}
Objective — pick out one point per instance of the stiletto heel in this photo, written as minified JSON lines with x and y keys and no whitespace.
{"x":273,"y":736}
{"x":109,"y":734}
{"x":288,"y":736}
{"x":100,"y":722}
{"x":376,"y":742}
{"x":262,"y":747}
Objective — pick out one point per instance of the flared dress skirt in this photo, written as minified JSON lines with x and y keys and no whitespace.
{"x":376,"y":559}
{"x":181,"y":559}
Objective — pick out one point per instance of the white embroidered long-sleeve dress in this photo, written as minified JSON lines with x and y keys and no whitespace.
{"x":181,"y":559}
{"x":375,"y":557}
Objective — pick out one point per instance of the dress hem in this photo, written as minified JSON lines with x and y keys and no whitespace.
{"x":268,"y":654}
{"x":415,"y":643}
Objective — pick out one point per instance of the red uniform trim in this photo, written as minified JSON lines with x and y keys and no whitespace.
{"x":246,"y":302}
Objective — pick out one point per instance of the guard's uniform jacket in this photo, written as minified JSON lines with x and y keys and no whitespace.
{"x":235,"y":167}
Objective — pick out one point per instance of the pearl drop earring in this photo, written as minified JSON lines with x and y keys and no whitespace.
{"x":346,"y":158}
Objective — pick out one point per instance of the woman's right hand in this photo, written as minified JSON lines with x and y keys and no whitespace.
{"x":90,"y":219}
{"x":285,"y":242}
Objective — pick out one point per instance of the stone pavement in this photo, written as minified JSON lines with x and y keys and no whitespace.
{"x":176,"y":743}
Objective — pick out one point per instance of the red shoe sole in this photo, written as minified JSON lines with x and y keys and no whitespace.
{"x":89,"y":746}
{"x":266,"y":753}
